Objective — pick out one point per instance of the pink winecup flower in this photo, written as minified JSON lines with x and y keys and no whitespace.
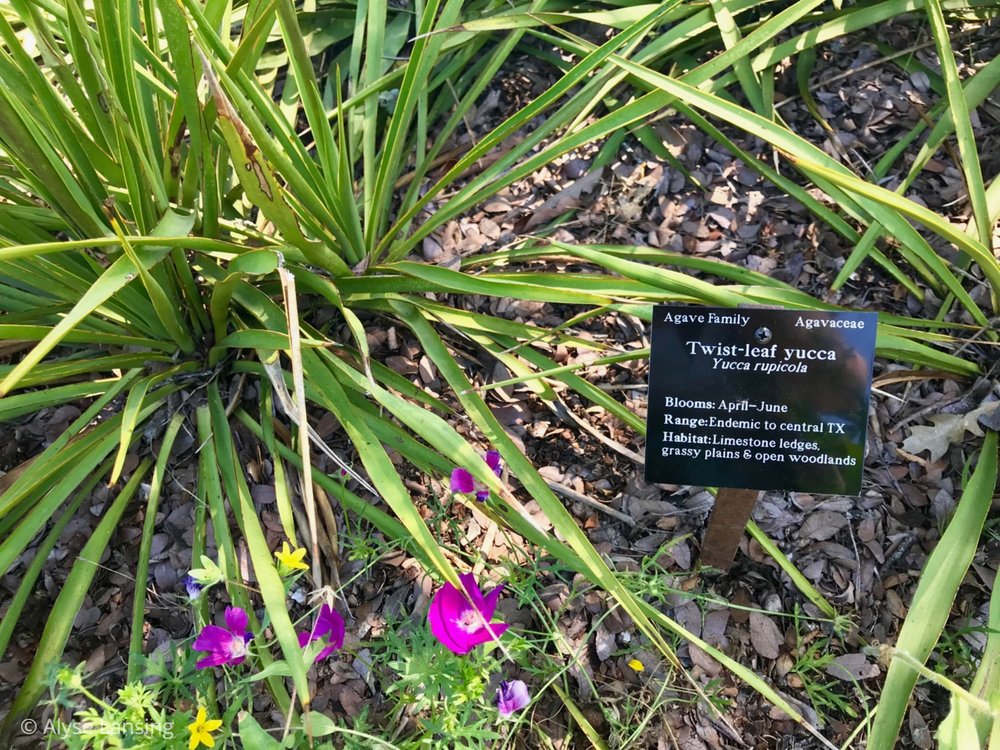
{"x":512,"y":696}
{"x":463,"y":482}
{"x":329,"y":626}
{"x":224,"y":645}
{"x":461,"y":621}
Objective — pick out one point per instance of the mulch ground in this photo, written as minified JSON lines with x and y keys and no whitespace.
{"x":863,"y":553}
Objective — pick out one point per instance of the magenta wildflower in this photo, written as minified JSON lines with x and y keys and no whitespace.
{"x":463,"y":482}
{"x":512,"y":696}
{"x":462,"y":621}
{"x":224,"y":646}
{"x":329,"y":626}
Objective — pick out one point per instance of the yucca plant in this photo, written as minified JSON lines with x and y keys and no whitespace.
{"x":169,"y":220}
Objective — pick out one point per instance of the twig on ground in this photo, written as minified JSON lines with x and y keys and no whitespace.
{"x":589,"y":502}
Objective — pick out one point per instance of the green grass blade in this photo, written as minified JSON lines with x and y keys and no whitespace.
{"x":801,"y":582}
{"x":827,"y":172}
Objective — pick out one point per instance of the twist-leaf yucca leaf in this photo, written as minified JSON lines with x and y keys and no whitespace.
{"x":986,"y":684}
{"x":145,"y":546}
{"x":963,"y":125}
{"x":269,"y":583}
{"x":67,"y":605}
{"x":260,"y":182}
{"x":936,"y":590}
{"x":254,"y":263}
{"x":111,"y":282}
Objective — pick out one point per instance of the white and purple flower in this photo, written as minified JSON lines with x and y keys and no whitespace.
{"x":225,"y":646}
{"x":512,"y":696}
{"x":193,"y":588}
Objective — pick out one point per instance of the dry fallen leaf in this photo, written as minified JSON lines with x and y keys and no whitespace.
{"x":822,"y":525}
{"x":568,"y":198}
{"x":765,"y":635}
{"x":947,"y":429}
{"x":604,"y":643}
{"x":852,"y":667}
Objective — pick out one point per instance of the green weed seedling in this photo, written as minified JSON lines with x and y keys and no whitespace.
{"x":444,"y":693}
{"x":813,"y":655}
{"x":138,"y":716}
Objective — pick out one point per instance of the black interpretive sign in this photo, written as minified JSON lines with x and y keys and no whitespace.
{"x":757,"y":398}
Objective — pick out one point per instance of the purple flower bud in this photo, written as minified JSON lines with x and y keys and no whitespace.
{"x":492,"y":459}
{"x":512,"y":696}
{"x":194,"y":589}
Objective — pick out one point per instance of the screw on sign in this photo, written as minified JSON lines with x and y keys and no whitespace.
{"x":753,"y":399}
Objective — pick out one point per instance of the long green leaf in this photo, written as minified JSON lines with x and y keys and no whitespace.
{"x":115,"y":278}
{"x":269,"y":582}
{"x":67,"y":605}
{"x":936,"y":588}
{"x":148,"y":528}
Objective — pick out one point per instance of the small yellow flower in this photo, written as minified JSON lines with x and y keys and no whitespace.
{"x":290,"y":560}
{"x":636,"y":665}
{"x":201,"y":730}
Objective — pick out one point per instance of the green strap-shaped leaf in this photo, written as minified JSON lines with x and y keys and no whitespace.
{"x":27,"y":585}
{"x":255,"y":263}
{"x":269,"y":583}
{"x":67,"y":606}
{"x":116,"y":277}
{"x":259,"y":181}
{"x":168,"y":311}
{"x":936,"y":589}
{"x":148,"y":529}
